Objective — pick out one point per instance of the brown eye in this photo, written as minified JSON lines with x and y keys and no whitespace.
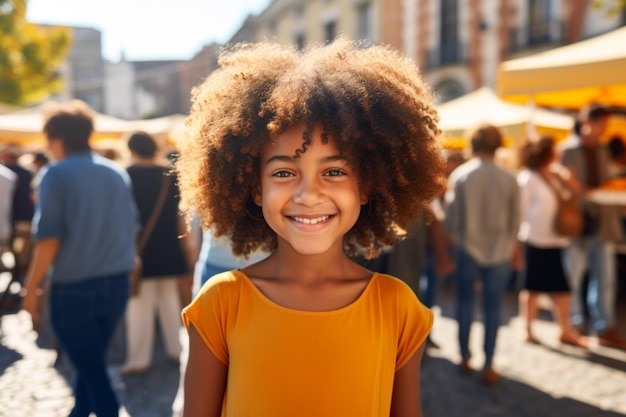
{"x":335,"y":172}
{"x":282,"y":174}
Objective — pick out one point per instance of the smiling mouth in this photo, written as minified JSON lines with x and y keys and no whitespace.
{"x":307,"y":220}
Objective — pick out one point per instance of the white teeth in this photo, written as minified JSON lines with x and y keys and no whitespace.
{"x":311,"y":221}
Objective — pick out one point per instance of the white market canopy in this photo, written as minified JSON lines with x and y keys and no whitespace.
{"x":25,"y":126}
{"x":484,"y":106}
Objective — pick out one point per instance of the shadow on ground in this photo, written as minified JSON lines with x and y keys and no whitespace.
{"x":446,"y":392}
{"x":7,"y":358}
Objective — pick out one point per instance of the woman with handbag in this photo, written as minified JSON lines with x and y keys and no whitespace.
{"x":163,"y":263}
{"x":548,"y":191}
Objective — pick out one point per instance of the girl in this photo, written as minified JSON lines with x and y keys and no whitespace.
{"x":311,"y":157}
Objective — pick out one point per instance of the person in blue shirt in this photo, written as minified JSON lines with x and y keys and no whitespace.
{"x":84,"y":226}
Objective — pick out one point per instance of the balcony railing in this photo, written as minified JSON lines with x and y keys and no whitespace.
{"x":535,"y":35}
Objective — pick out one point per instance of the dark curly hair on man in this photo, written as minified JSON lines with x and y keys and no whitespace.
{"x":371,"y":101}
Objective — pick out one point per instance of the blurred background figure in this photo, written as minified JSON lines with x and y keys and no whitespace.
{"x":482,"y":218}
{"x":439,"y":255}
{"x":163,"y":259}
{"x":34,"y":161}
{"x":594,"y":251}
{"x":454,"y":158}
{"x":22,"y":210}
{"x":84,"y":226}
{"x":40,"y":160}
{"x":112,"y":149}
{"x":8,"y":180}
{"x":540,"y":182}
{"x":216,"y":256}
{"x":617,"y":152}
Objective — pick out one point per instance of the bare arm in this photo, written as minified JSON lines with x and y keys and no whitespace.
{"x":205,"y":379}
{"x":43,"y":255}
{"x":406,"y":401}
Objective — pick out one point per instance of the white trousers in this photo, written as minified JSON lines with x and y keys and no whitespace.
{"x":157,"y":297}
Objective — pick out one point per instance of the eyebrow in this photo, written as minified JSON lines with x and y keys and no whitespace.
{"x":291,"y":159}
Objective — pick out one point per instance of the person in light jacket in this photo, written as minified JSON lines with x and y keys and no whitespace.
{"x":482,"y":219}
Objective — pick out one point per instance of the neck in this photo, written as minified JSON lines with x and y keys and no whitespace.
{"x":588,"y":141}
{"x":143,"y":161}
{"x":485,"y":156}
{"x":287,"y":264}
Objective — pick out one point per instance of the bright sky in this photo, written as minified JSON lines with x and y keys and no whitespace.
{"x":150,"y":29}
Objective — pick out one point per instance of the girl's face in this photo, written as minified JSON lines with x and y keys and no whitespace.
{"x":310,"y":202}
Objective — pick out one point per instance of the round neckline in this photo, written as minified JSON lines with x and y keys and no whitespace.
{"x":276,"y":305}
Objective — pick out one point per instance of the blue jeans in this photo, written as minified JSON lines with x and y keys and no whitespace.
{"x":84,"y":316}
{"x":494,"y":282}
{"x":599,"y":258}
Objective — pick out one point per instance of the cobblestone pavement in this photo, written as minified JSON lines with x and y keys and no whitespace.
{"x":548,"y":379}
{"x":538,"y":380}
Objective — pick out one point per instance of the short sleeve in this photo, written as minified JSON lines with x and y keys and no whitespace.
{"x":415,"y":322}
{"x":211,"y":313}
{"x":49,"y":220}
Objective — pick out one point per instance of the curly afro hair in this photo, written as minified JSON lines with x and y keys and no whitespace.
{"x":370,"y":101}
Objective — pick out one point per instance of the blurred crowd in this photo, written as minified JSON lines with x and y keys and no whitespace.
{"x":492,"y":229}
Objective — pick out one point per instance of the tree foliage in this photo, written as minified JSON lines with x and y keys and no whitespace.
{"x":30,"y":56}
{"x":610,"y":7}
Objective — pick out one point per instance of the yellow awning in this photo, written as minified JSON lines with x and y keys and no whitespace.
{"x":592,"y":71}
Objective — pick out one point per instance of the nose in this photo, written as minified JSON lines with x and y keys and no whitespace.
{"x":309,"y":192}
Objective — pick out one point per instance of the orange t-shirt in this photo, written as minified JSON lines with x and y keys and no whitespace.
{"x":285,"y":362}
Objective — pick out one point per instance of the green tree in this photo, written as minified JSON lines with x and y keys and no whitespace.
{"x":30,"y":56}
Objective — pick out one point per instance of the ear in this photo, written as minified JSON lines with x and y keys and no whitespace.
{"x":364,"y":193}
{"x":257,"y":195}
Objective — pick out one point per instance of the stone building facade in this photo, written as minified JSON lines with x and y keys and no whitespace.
{"x":458,"y":44}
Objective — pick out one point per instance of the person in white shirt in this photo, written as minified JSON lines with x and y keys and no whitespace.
{"x":8,"y":180}
{"x":544,"y":273}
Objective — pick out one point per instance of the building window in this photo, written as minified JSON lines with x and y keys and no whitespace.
{"x":364,"y":20}
{"x":448,"y":90}
{"x":330,"y":31}
{"x":449,"y":32}
{"x":538,"y":22}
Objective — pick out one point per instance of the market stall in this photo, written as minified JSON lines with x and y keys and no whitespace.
{"x":591,"y":71}
{"x":24,"y":127}
{"x":484,"y":106}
